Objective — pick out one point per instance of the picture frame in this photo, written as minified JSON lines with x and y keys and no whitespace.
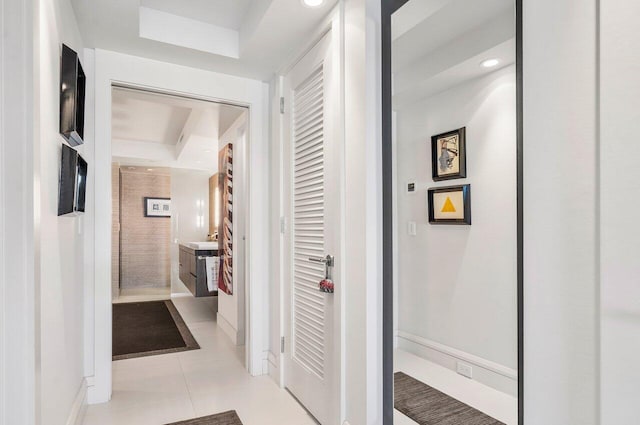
{"x":450,"y":205}
{"x":449,"y":155}
{"x":157,"y":207}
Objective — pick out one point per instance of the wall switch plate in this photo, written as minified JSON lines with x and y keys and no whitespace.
{"x":411,"y":228}
{"x":464,"y":370}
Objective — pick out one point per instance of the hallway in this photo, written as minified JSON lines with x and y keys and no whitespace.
{"x":162,"y":389}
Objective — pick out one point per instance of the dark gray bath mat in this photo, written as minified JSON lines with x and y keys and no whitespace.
{"x":428,"y":406}
{"x":226,"y":418}
{"x":149,"y":328}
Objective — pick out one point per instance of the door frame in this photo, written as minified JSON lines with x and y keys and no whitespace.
{"x":387,"y":9}
{"x":109,"y":69}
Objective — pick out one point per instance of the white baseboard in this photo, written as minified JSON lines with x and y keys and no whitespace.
{"x":274,"y":367}
{"x":228,"y":329}
{"x":79,"y":406}
{"x":485,"y":371}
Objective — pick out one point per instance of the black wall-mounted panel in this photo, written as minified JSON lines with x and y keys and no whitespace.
{"x":73,"y":182}
{"x":72,"y":93}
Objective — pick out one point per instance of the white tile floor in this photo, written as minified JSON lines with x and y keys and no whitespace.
{"x":496,"y":404}
{"x":157,"y":390}
{"x":162,"y":389}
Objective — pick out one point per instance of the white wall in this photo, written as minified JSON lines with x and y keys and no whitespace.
{"x":457,"y":284}
{"x":62,"y":247}
{"x":189,"y":201}
{"x":231,"y":308}
{"x":362,"y":304}
{"x":19,"y":240}
{"x":139,"y":72}
{"x":619,"y":229}
{"x":560,"y":213}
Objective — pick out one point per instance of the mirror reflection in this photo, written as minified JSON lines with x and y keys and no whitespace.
{"x":455,"y":265}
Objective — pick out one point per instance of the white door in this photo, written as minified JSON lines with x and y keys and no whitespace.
{"x":312,"y":147}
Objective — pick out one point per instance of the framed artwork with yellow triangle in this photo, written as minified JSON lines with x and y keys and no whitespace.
{"x":450,"y":204}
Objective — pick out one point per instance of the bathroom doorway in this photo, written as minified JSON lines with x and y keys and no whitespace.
{"x":179,"y":202}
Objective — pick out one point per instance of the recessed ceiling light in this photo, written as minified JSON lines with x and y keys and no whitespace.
{"x":149,"y":169}
{"x":207,"y":150}
{"x":490,"y":63}
{"x":312,"y":3}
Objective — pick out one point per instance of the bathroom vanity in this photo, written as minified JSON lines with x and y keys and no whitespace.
{"x":192,"y":266}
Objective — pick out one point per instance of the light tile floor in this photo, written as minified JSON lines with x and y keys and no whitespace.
{"x":496,"y":404}
{"x":157,"y":390}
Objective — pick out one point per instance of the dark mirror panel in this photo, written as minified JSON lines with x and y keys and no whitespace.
{"x":73,"y":182}
{"x":72,"y":94}
{"x":453,"y":127}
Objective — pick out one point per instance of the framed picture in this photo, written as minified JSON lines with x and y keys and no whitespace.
{"x":225,"y":231}
{"x":450,"y":205}
{"x":157,"y":207}
{"x":448,"y":155}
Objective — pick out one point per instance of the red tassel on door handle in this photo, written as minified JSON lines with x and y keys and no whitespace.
{"x":326,"y":285}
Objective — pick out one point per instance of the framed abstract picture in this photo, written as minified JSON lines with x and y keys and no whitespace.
{"x":225,"y":230}
{"x":450,"y":205}
{"x":157,"y":207}
{"x":448,"y":155}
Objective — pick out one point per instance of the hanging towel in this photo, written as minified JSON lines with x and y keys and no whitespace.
{"x":212,"y":265}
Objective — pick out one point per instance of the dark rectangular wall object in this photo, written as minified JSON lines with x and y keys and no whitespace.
{"x":72,"y":92}
{"x":72,"y":185}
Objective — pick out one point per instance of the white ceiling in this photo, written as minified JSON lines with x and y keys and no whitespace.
{"x":157,"y":130}
{"x":224,"y":13}
{"x":250,"y":38}
{"x":438,"y":44}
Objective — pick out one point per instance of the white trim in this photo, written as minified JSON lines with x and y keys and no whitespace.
{"x":115,"y":68}
{"x":19,"y":311}
{"x":490,"y":373}
{"x":79,"y":406}
{"x":273,"y":367}
{"x":461,"y":355}
{"x":228,"y":329}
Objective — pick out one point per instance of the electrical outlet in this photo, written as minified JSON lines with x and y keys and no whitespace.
{"x":465,"y":370}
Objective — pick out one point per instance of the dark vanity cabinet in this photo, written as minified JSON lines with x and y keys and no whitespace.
{"x":192,"y":270}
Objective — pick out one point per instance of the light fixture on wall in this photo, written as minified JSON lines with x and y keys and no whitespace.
{"x":490,"y":63}
{"x":313,"y":3}
{"x":200,"y":213}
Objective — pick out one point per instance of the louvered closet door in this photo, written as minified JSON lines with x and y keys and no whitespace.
{"x":308,"y":223}
{"x":311,"y":372}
